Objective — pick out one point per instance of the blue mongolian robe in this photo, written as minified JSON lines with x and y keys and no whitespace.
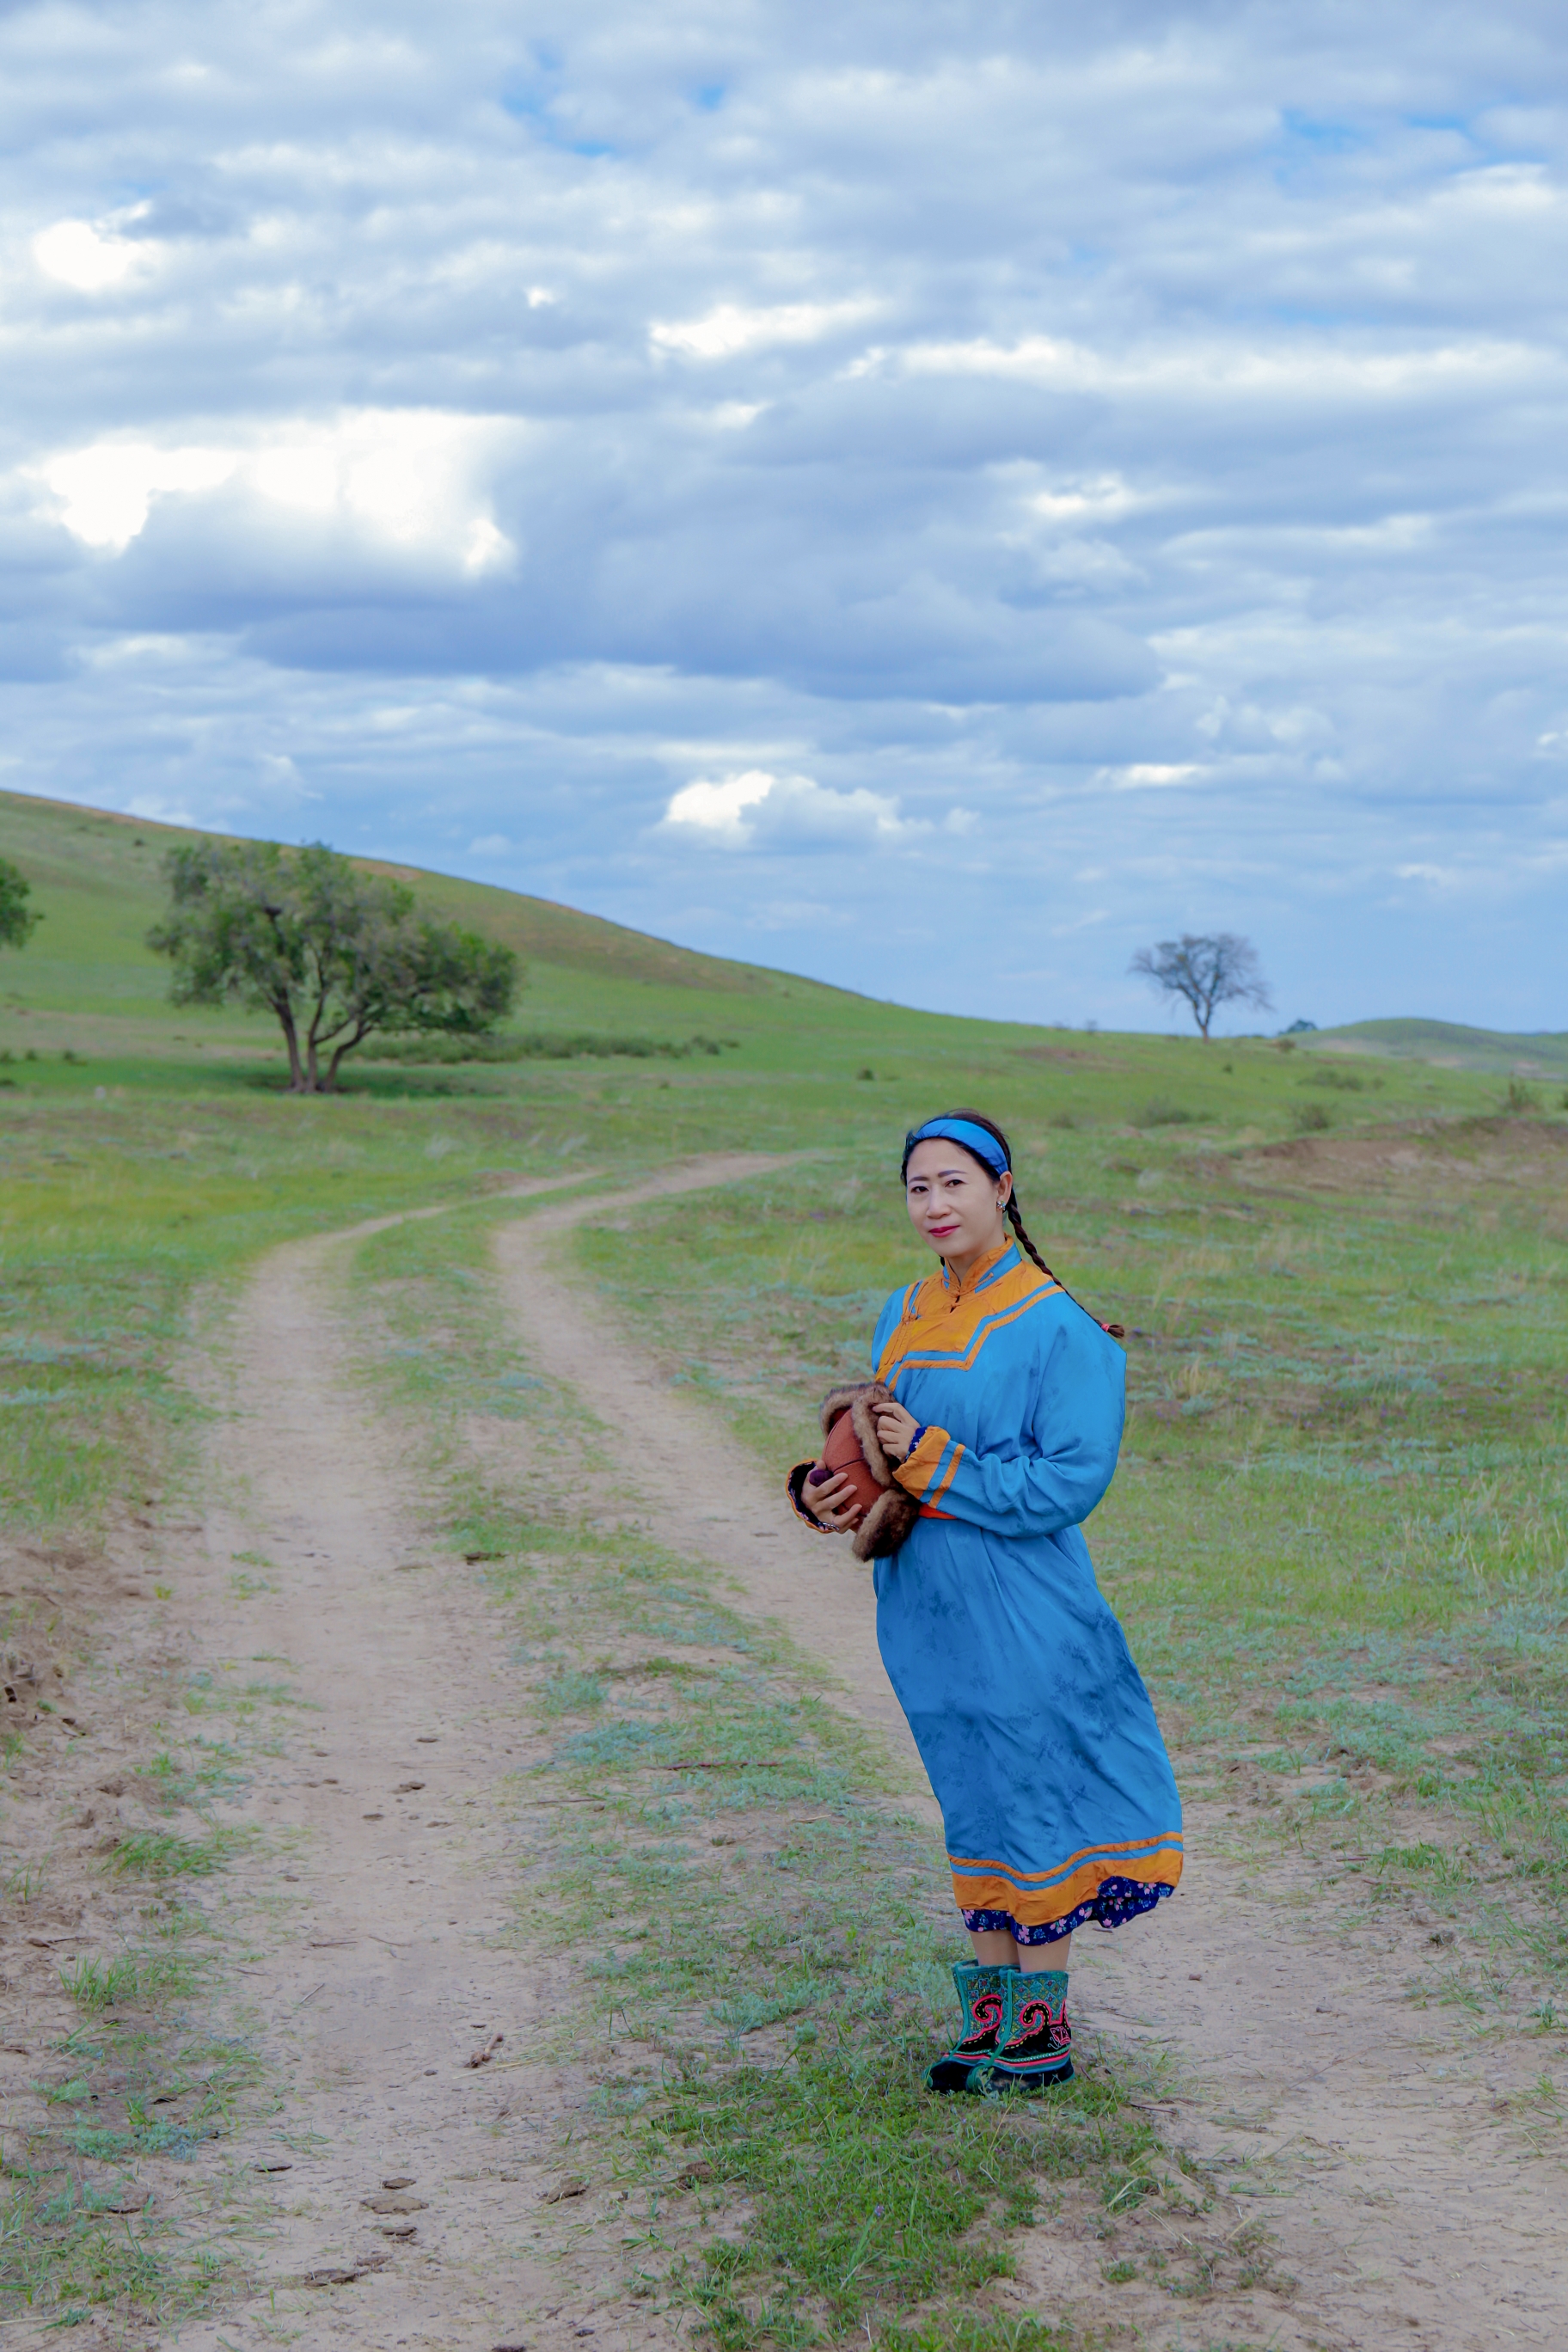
{"x":1058,"y":1797}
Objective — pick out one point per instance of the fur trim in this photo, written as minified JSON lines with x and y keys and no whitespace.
{"x":894,"y":1513}
{"x":885,"y":1525}
{"x":859,"y":1400}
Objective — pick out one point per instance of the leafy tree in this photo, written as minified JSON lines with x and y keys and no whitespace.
{"x":18,"y":919}
{"x":333,"y":953}
{"x":1205,"y":971}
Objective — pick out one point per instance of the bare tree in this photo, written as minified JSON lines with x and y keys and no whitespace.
{"x":1205,"y":971}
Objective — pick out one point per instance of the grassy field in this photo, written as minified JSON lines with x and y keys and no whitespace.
{"x":1340,"y":1533}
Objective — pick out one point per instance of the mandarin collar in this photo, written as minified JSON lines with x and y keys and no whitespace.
{"x":962,"y":1283}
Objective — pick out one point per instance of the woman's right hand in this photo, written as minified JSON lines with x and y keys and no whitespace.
{"x":832,"y":1505}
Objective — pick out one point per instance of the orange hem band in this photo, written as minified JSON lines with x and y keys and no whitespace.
{"x":1162,"y":1868}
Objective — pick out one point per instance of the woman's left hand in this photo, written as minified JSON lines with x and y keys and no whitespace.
{"x":895,"y":1429}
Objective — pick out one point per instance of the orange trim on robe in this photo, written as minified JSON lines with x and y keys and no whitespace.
{"x":947,"y":1318}
{"x":991,"y":1886}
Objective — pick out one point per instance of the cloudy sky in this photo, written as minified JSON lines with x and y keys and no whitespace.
{"x":937,"y":496}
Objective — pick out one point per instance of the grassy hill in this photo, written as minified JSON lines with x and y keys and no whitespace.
{"x":1447,"y":1045}
{"x":97,"y":879}
{"x":88,"y":1002}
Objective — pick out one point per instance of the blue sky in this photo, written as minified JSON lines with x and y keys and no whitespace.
{"x":934,"y":497}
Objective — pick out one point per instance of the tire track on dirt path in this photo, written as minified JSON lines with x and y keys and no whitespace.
{"x":818,"y":1593}
{"x":384,"y":1967}
{"x":1373,"y":2140}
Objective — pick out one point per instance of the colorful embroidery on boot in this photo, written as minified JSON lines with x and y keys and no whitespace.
{"x":983,"y":2002}
{"x":1035,"y":2044}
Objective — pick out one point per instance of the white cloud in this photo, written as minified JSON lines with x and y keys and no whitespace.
{"x":1150,"y":775}
{"x":720,"y":808}
{"x":786,"y":811}
{"x":1103,"y":500}
{"x":106,"y":491}
{"x":491,"y":845}
{"x":92,"y":260}
{"x":1209,"y":369}
{"x":157,"y":810}
{"x":731,"y":328}
{"x":282,"y":779}
{"x":412,"y":479}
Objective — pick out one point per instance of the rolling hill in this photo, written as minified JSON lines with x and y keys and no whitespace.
{"x":96,"y":877}
{"x":86,"y":984}
{"x":1448,"y":1045}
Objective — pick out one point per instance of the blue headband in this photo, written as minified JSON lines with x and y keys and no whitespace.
{"x":975,"y":1140}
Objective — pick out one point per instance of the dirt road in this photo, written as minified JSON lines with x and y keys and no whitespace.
{"x":389,"y":1969}
{"x":1375,"y":2141}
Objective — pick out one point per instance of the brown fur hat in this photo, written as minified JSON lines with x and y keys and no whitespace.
{"x":891,"y":1517}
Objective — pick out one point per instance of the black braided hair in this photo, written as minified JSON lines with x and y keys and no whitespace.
{"x":1013,"y":1214}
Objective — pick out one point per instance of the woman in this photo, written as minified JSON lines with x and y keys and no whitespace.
{"x":1003,"y":1418}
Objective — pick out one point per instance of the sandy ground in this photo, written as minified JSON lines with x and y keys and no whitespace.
{"x":1374,"y":2141}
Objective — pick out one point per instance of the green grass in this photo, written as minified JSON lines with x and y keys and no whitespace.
{"x":115,"y":1216}
{"x":93,"y":2222}
{"x":97,"y":880}
{"x":78,"y":2230}
{"x":1538,"y":1056}
{"x":163,"y":1855}
{"x":130,"y":1980}
{"x":83,"y":2224}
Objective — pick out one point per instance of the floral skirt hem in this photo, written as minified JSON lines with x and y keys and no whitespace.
{"x":1115,"y":1901}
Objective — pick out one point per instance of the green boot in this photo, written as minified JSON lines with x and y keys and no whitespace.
{"x":982,"y":2001}
{"x":1034,"y":2042}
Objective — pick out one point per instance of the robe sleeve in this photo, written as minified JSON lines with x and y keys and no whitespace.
{"x":1053,"y":1476}
{"x":793,"y":1486}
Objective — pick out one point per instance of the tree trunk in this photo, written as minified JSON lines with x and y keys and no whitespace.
{"x":312,"y":1065}
{"x":285,"y":1013}
{"x":330,"y":1085}
{"x":317,"y":1014}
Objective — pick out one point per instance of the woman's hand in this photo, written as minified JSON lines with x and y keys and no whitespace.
{"x":895,"y":1429}
{"x":832,"y":1505}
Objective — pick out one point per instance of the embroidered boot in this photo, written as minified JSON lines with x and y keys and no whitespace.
{"x":982,"y":2001}
{"x":1034,"y":2043}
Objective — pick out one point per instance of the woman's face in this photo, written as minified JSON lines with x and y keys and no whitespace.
{"x":954,"y":1203}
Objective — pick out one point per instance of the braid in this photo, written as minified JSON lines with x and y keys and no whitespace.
{"x":1016,"y":1222}
{"x":1015,"y":1218}
{"x":1117,"y":1330}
